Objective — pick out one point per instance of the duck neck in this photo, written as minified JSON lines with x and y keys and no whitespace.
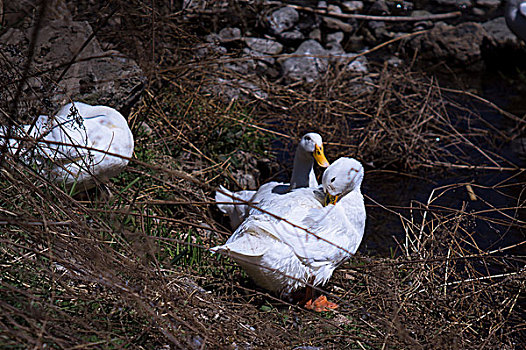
{"x":302,"y":171}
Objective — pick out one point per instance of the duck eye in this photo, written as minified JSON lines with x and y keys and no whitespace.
{"x":333,"y":179}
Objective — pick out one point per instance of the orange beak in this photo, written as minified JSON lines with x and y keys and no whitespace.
{"x":320,"y":157}
{"x":330,"y":199}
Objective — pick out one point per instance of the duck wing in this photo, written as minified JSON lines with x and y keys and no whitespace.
{"x":234,"y":204}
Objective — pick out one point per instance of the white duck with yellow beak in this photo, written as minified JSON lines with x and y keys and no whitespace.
{"x":309,"y":150}
{"x":294,"y":240}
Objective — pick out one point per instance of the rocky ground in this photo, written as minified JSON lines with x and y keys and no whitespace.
{"x":265,"y":41}
{"x":276,"y":47}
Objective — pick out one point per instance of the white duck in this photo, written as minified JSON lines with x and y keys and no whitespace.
{"x":309,"y":149}
{"x":294,"y":240}
{"x":67,"y":143}
{"x":515,"y":15}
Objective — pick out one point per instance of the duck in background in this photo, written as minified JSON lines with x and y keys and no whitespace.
{"x":515,"y":15}
{"x":309,"y":150}
{"x":81,"y":146}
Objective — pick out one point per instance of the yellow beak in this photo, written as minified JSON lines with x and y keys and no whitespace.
{"x":320,"y":157}
{"x":330,"y":199}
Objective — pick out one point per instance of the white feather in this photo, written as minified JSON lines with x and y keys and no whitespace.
{"x":293,"y":238}
{"x":69,"y":142}
{"x":302,"y":176}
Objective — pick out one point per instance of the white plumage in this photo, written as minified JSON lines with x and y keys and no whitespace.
{"x":282,"y":257}
{"x":515,"y":15}
{"x":309,"y":149}
{"x":67,"y":144}
{"x":236,"y":212}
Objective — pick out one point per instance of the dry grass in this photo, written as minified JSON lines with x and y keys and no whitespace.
{"x":133,"y":270}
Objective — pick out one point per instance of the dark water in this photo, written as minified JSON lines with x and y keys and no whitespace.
{"x":490,"y":230}
{"x":503,"y":189}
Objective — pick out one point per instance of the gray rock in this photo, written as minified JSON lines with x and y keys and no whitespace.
{"x":353,"y":6}
{"x":337,"y":24}
{"x":308,"y":23}
{"x":395,"y":62}
{"x":244,"y":66}
{"x":233,"y":89}
{"x":478,"y":11}
{"x":212,"y":38}
{"x":207,"y":49}
{"x":500,"y":34}
{"x":379,"y":8}
{"x":378,"y":28}
{"x":292,"y":35}
{"x":420,"y":13}
{"x":376,"y":24}
{"x":422,"y":24}
{"x":335,"y":37}
{"x":96,"y":77}
{"x":315,"y":34}
{"x":282,"y":20}
{"x":359,"y":64}
{"x":365,"y":85}
{"x":259,"y":56}
{"x":488,"y":3}
{"x":458,"y":44}
{"x":229,"y":34}
{"x":335,"y":49}
{"x":355,"y":43}
{"x":313,"y":63}
{"x":245,"y":180}
{"x":249,"y":88}
{"x":334,"y":9}
{"x":322,"y":4}
{"x":145,"y":129}
{"x":267,"y":46}
{"x":273,"y":72}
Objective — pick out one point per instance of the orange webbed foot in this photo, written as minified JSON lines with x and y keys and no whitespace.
{"x":321,"y":304}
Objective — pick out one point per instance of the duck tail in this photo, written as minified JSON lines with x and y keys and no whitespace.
{"x":233,"y":204}
{"x":223,"y":199}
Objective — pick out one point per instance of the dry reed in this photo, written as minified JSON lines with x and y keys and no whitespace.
{"x":133,"y":270}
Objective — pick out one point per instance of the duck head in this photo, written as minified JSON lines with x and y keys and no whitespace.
{"x":312,"y":144}
{"x":341,"y":177}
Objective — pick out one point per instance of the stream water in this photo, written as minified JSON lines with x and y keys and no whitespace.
{"x":490,"y":229}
